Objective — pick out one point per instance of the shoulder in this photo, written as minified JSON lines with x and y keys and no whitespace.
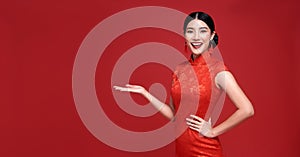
{"x":182,"y":66}
{"x":224,"y":78}
{"x":216,"y":68}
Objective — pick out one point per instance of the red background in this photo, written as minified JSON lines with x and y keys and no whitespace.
{"x":40,"y":39}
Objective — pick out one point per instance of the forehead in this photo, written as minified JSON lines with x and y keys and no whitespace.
{"x":196,"y":24}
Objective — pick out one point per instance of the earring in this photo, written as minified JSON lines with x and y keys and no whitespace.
{"x":185,"y":46}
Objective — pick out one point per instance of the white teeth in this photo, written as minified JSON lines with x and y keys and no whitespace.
{"x":196,"y":44}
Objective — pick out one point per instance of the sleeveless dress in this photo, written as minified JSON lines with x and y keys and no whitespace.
{"x":195,"y":78}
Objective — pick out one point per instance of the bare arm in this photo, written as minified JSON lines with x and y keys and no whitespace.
{"x":163,"y":108}
{"x":226,"y":81}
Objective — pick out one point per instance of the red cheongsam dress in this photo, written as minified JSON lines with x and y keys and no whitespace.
{"x":196,"y":79}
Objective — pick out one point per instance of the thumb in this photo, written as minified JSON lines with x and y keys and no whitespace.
{"x":209,"y":121}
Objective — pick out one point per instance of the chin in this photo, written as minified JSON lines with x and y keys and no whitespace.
{"x":197,"y":52}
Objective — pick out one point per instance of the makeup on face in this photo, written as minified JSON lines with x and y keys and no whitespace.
{"x":198,"y":36}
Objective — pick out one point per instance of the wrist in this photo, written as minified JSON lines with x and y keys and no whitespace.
{"x":213,"y":133}
{"x":145,"y":93}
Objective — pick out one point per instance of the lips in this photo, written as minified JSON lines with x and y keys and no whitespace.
{"x":196,"y":45}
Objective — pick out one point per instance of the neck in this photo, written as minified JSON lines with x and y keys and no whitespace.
{"x":195,"y":56}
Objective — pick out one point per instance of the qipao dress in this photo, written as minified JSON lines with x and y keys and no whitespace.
{"x":194,"y":91}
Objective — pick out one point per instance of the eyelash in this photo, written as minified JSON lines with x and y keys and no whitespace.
{"x":202,"y":31}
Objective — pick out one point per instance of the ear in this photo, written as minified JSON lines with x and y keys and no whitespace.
{"x":212,"y":35}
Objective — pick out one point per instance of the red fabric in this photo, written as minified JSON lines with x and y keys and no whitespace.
{"x":184,"y":89}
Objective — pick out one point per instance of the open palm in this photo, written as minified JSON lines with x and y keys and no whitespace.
{"x":130,"y":88}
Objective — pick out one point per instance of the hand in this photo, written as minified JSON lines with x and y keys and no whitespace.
{"x":131,"y":88}
{"x":198,"y":124}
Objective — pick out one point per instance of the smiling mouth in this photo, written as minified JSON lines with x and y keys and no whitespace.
{"x":196,"y":45}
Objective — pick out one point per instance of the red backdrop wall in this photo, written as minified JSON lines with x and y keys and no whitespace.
{"x":40,"y":40}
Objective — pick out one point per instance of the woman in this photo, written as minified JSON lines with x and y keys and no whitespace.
{"x":200,"y":138}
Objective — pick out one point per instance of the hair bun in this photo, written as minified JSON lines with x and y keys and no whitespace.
{"x":215,"y":40}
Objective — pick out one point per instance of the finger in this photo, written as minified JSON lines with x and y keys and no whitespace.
{"x":193,"y":128}
{"x":125,"y":90}
{"x":198,"y":118}
{"x":116,"y":87}
{"x":122,"y":89}
{"x":194,"y":125}
{"x":193,"y":121}
{"x":129,"y":85}
{"x":132,"y":86}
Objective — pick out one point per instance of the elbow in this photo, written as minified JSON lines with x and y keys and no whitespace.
{"x":170,"y":116}
{"x":249,"y":112}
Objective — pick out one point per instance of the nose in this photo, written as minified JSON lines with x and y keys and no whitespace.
{"x":196,"y":36}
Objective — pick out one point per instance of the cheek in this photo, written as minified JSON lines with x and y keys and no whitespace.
{"x":188,"y":37}
{"x":205,"y":37}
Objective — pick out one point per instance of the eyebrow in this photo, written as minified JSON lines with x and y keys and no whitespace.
{"x":199,"y":28}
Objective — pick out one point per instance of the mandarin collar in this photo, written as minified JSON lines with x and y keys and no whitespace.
{"x":201,"y":59}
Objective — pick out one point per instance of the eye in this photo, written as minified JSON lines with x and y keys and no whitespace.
{"x":203,"y":31}
{"x":189,"y":31}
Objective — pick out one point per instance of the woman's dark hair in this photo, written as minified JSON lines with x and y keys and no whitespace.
{"x":205,"y":18}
